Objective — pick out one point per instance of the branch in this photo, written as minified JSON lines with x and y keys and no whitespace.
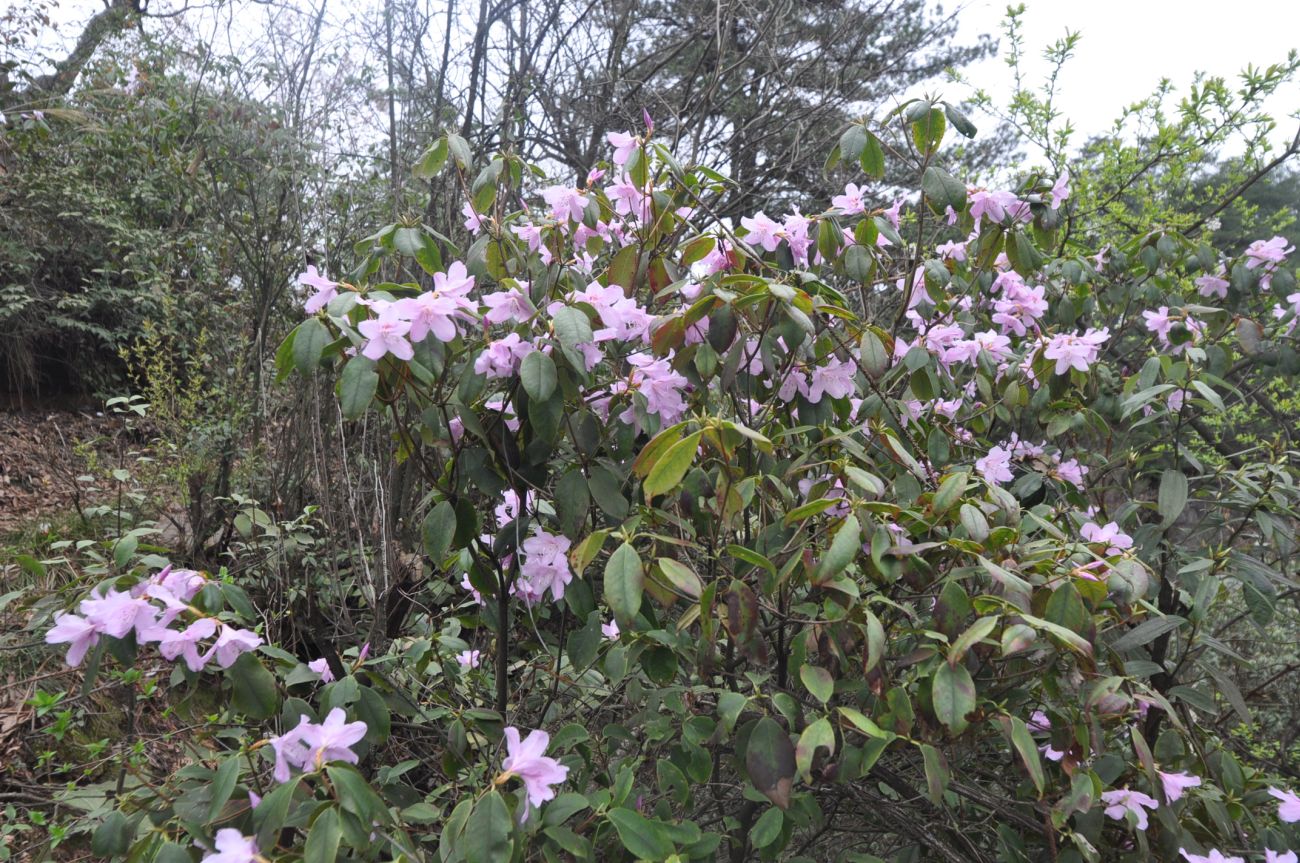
{"x":118,"y":16}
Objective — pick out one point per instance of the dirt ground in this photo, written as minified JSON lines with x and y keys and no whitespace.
{"x":40,"y":462}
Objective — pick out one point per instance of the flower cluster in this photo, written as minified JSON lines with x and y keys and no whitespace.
{"x":310,"y":745}
{"x":148,"y":610}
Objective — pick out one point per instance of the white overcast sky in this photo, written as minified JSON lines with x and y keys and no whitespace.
{"x":1127,"y":46}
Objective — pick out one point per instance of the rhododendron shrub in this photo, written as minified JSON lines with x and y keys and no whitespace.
{"x":880,"y":529}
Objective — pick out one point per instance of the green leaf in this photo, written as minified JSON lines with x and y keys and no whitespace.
{"x":943,"y":189}
{"x":872,"y":158}
{"x":866,"y":724}
{"x":767,"y":829}
{"x":950,"y":491}
{"x":487,"y":832}
{"x":431,"y":160}
{"x":845,"y":546}
{"x":309,"y":341}
{"x":373,"y":710}
{"x":819,"y":735}
{"x":817,"y":681}
{"x":571,"y":327}
{"x":537,"y":374}
{"x":415,"y":243}
{"x":253,"y":691}
{"x":668,"y":470}
{"x":270,"y":814}
{"x":112,"y":837}
{"x":953,"y":695}
{"x":572,"y":498}
{"x":646,"y":839}
{"x":655,"y":449}
{"x":1172,"y":498}
{"x":681,"y":577}
{"x":459,"y":150}
{"x":356,"y":795}
{"x":730,"y":704}
{"x":936,"y":773}
{"x":770,"y":761}
{"x":622,"y":270}
{"x":1027,"y":749}
{"x":927,"y":132}
{"x":1146,"y":632}
{"x":170,"y":852}
{"x":978,"y":631}
{"x":959,"y":121}
{"x":438,"y":530}
{"x":852,"y":141}
{"x":624,"y":582}
{"x":875,"y":359}
{"x":356,"y":386}
{"x":323,"y":838}
{"x":223,"y":784}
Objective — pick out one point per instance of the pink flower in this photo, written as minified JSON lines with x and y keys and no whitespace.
{"x":1124,"y":800}
{"x":324,"y":288}
{"x":762,"y":231}
{"x":184,"y":584}
{"x":1271,"y":856}
{"x":996,"y":466}
{"x":1269,"y":255}
{"x":1060,"y":189}
{"x":1158,"y":322}
{"x":851,"y":202}
{"x":624,"y":145}
{"x":1211,"y":286}
{"x":1070,"y":471}
{"x":386,"y":335}
{"x":501,"y":358}
{"x":1288,"y":810}
{"x":75,"y":631}
{"x":995,"y":205}
{"x":1267,"y":252}
{"x":116,"y":613}
{"x":526,"y":760}
{"x":796,"y":234}
{"x":469,"y":658}
{"x":185,"y":644}
{"x":1215,"y":856}
{"x":894,"y":212}
{"x":565,"y":202}
{"x":1074,"y":351}
{"x":232,"y":847}
{"x":1176,"y":783}
{"x":661,"y":387}
{"x":1019,"y":307}
{"x":332,"y":739}
{"x":230,"y":643}
{"x":322,"y":667}
{"x":473,"y":592}
{"x":628,"y":199}
{"x":511,"y":305}
{"x":956,"y":250}
{"x":473,"y":221}
{"x":508,"y":510}
{"x":291,"y":750}
{"x":610,"y":630}
{"x":546,"y":565}
{"x":1110,"y":534}
{"x":836,"y":379}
